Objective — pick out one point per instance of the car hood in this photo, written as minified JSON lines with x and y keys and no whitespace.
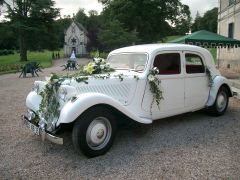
{"x":118,"y":85}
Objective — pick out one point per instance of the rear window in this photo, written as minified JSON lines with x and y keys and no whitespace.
{"x":168,"y":63}
{"x":194,"y":64}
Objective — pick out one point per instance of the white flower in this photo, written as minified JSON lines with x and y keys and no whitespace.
{"x":55,"y":80}
{"x":156,"y":70}
{"x":97,"y":60}
{"x":103,"y":61}
{"x":102,"y":66}
{"x":151,"y":77}
{"x":47,"y":78}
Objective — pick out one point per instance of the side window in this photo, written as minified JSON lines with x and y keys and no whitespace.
{"x":194,"y":64}
{"x":168,"y":63}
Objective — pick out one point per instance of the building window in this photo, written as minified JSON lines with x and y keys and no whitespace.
{"x":231,"y":30}
{"x":231,"y":2}
{"x":73,"y":41}
{"x":168,"y":63}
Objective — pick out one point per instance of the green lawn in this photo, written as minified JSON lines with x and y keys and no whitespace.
{"x":11,"y":63}
{"x":214,"y":53}
{"x":170,"y":38}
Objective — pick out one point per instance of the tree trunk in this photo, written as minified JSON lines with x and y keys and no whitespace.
{"x":22,"y":46}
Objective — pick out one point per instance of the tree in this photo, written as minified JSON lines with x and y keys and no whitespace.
{"x":113,"y":36}
{"x":8,"y":41}
{"x":94,"y":24}
{"x":33,"y":22}
{"x":92,"y":13}
{"x":196,"y":26}
{"x":61,"y":26}
{"x":207,"y":22}
{"x":81,"y":17}
{"x":183,"y":24}
{"x":151,"y":19}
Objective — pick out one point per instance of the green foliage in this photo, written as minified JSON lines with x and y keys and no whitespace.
{"x":213,"y":51}
{"x":49,"y":106}
{"x":196,"y":26}
{"x":170,"y":38}
{"x":150,"y":19}
{"x":210,"y":20}
{"x":113,"y":36}
{"x":60,"y":26}
{"x":8,"y":38}
{"x":207,"y":22}
{"x":81,"y":17}
{"x":33,"y":21}
{"x":154,"y":83}
{"x":6,"y":52}
{"x":94,"y":54}
{"x":183,"y":24}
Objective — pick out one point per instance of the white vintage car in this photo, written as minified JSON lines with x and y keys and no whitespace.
{"x":149,"y":82}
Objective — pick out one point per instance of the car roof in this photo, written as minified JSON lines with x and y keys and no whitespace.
{"x":150,"y":48}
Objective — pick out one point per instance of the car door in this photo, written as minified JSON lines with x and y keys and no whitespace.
{"x":172,"y":85}
{"x":196,"y":81}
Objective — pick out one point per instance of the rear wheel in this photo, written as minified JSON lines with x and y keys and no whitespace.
{"x":221,"y":103}
{"x":94,"y":132}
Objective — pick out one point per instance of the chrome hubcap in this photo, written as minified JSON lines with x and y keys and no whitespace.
{"x":221,"y":101}
{"x":98,"y":133}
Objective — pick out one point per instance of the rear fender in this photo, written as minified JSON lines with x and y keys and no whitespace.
{"x":218,"y":81}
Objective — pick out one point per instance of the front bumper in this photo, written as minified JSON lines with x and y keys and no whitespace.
{"x":41,"y":132}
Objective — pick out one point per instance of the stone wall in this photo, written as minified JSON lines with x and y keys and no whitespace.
{"x":229,"y":57}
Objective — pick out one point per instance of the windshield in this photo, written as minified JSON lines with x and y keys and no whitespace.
{"x":129,"y":61}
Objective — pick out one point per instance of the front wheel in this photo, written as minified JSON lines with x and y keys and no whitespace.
{"x":94,"y":132}
{"x":221,"y":103}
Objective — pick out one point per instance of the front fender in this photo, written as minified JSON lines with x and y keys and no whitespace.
{"x":218,"y":81}
{"x":33,"y":100}
{"x":72,"y":110}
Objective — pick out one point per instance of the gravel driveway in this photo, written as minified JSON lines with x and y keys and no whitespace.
{"x":189,"y":146}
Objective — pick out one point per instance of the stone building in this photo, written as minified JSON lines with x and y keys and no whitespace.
{"x":75,"y":40}
{"x":229,"y":26}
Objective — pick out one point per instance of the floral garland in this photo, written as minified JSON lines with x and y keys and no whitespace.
{"x":154,"y":83}
{"x":49,"y":106}
{"x":98,"y":66}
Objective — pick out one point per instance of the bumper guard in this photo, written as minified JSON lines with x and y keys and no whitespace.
{"x":41,"y":132}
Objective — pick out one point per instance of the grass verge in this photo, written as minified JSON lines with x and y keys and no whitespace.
{"x":12,"y":64}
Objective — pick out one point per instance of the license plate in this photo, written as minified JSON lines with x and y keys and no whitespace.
{"x":31,"y":126}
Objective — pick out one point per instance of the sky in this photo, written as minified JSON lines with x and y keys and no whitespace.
{"x":71,"y":6}
{"x":200,"y":5}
